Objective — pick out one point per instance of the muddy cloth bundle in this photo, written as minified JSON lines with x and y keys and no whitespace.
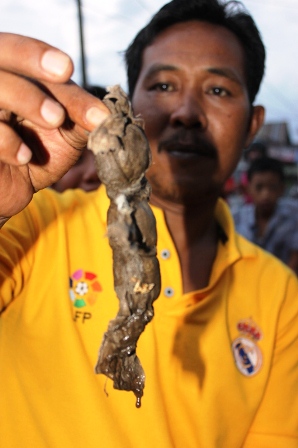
{"x":122,"y":157}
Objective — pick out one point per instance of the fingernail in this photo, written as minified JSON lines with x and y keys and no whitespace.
{"x":55,"y":62}
{"x":95,"y":116}
{"x":24,"y":154}
{"x":52,"y":112}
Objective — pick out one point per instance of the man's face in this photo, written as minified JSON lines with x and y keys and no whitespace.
{"x":265,"y":188}
{"x":192,"y":95}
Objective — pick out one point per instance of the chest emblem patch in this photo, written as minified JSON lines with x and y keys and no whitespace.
{"x":247,"y":353}
{"x":83,"y":288}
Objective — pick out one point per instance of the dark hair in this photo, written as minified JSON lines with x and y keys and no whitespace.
{"x":231,"y":15}
{"x":265,"y":164}
{"x":258,"y":147}
{"x":97,"y":91}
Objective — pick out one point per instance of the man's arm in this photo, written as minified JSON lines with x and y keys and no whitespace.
{"x":44,"y":119}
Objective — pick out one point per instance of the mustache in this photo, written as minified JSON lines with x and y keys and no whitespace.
{"x":188,"y":140}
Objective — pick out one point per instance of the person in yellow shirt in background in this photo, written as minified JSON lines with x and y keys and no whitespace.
{"x":220,"y":354}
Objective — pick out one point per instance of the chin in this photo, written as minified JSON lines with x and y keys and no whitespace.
{"x":185,"y":193}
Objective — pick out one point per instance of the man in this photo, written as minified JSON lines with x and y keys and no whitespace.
{"x":269,"y":221}
{"x":220,"y":355}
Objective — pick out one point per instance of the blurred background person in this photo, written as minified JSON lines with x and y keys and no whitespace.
{"x":82,"y":175}
{"x":236,"y":187}
{"x":98,"y":91}
{"x":268,"y":221}
{"x":255,"y":151}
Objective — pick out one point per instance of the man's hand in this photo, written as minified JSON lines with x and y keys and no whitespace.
{"x":44,"y":119}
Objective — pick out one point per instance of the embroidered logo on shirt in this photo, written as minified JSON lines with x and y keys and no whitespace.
{"x":83,"y":291}
{"x":247,"y":353}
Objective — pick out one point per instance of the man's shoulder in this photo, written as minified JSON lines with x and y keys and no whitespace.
{"x":260,"y":261}
{"x":49,"y":206}
{"x":50,"y":196}
{"x":49,"y":200}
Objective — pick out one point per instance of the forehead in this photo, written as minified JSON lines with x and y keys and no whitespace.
{"x":265,"y":177}
{"x":196,"y":43}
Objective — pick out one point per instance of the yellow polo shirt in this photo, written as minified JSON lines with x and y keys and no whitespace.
{"x":221,"y":363}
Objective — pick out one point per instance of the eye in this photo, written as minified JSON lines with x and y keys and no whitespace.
{"x":163,"y":87}
{"x":259,"y":187}
{"x":274,"y":188}
{"x":219,"y":91}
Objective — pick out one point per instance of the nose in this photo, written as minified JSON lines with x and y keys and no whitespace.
{"x":267,"y":193}
{"x":189,"y":112}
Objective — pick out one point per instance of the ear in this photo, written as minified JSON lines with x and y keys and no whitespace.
{"x":256,"y":121}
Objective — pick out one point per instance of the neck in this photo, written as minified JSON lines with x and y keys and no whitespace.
{"x":194,"y":233}
{"x":262,"y":220}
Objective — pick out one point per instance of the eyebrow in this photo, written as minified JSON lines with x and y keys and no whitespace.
{"x":156,"y":68}
{"x":226,"y":73}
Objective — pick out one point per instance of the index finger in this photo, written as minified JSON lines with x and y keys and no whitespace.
{"x":33,"y":58}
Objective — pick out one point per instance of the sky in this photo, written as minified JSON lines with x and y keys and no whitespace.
{"x":110,"y":25}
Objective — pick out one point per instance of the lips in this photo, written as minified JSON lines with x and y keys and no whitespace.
{"x":179,"y":149}
{"x":187,"y":144}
